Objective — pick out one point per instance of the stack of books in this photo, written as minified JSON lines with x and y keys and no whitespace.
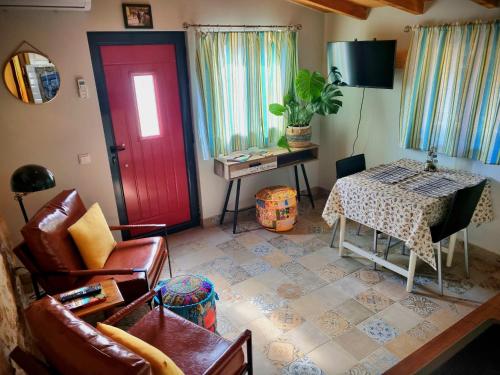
{"x":82,"y":297}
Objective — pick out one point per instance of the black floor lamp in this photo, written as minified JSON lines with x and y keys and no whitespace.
{"x":29,"y":179}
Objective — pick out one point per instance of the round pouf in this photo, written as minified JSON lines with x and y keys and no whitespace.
{"x":192,"y":297}
{"x":277,"y":208}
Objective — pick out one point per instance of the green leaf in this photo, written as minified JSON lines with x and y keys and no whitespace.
{"x":288,"y":98}
{"x":309,"y":86}
{"x":277,"y":109}
{"x":283,"y":143}
{"x":326,"y":104}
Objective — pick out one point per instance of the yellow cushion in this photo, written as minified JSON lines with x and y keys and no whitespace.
{"x":93,"y":237}
{"x":160,"y":363}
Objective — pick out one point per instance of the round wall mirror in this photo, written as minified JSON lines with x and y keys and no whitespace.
{"x":31,"y":77}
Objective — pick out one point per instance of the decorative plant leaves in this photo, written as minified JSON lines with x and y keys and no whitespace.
{"x":309,"y":85}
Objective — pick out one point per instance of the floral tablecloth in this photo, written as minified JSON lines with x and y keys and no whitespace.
{"x":398,"y":211}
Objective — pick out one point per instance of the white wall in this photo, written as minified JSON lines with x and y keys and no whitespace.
{"x":379,"y":131}
{"x":54,"y":133}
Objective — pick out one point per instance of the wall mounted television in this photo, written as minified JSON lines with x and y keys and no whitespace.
{"x":364,"y":63}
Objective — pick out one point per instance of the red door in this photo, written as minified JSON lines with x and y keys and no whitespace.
{"x":143,"y":94}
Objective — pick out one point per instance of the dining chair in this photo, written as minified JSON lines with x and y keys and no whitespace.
{"x":462,"y":206}
{"x":346,"y":167}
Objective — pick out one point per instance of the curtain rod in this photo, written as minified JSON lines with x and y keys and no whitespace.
{"x":408,"y":28}
{"x":186,"y":26}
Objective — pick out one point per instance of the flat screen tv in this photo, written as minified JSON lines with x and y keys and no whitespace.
{"x":364,"y":63}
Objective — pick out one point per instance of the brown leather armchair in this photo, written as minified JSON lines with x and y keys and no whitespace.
{"x":71,"y":346}
{"x":51,"y":256}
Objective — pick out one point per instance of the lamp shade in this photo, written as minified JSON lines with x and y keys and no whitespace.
{"x":30,"y":178}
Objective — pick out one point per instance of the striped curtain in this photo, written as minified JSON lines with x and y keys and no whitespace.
{"x":451,"y":91}
{"x":240,"y":74}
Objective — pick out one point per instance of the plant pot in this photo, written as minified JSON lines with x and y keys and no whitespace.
{"x":299,"y":136}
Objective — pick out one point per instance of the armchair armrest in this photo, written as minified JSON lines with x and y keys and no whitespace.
{"x":115,"y":318}
{"x":245,"y":337}
{"x":28,"y":362}
{"x":111,"y":271}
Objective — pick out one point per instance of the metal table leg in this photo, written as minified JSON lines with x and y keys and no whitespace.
{"x":307,"y":185}
{"x":297,"y":186}
{"x":236,"y":206}
{"x":224,"y":210}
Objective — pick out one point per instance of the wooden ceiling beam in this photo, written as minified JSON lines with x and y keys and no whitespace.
{"x":410,"y":6}
{"x":488,"y":3}
{"x":337,"y":6}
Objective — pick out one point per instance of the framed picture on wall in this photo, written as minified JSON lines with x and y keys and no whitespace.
{"x":137,"y":16}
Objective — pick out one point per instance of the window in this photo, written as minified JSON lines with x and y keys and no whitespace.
{"x":451,"y":91}
{"x":145,"y":99}
{"x":239,"y":75}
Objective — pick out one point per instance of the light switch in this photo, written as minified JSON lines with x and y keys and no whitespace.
{"x":84,"y":159}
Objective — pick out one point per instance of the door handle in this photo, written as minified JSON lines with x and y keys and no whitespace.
{"x":117,"y":148}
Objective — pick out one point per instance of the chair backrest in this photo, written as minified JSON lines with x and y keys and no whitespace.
{"x":48,"y":244}
{"x":462,"y":206}
{"x":348,"y":166}
{"x":72,"y":346}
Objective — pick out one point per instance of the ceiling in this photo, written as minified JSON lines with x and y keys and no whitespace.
{"x":360,"y":9}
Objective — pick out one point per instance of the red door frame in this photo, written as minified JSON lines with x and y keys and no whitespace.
{"x":178,"y":39}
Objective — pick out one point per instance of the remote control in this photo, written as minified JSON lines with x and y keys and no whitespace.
{"x":80,"y":292}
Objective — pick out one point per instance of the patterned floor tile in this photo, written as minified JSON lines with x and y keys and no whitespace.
{"x":276,"y":258}
{"x":224,"y":325}
{"x":332,"y":358}
{"x":263,"y":331}
{"x":289,"y":247}
{"x":359,"y":369}
{"x":256,"y":267}
{"x":458,"y":287}
{"x":306,"y":336}
{"x":379,"y":361}
{"x":302,"y":366}
{"x":349,"y":265}
{"x":491,"y":282}
{"x":373,"y":300}
{"x":331,"y":272}
{"x":281,"y":352}
{"x":379,"y":330}
{"x":423,"y":306}
{"x":285,"y":318}
{"x":353,"y":311}
{"x":229,"y":270}
{"x":369,"y":277}
{"x":267,"y":302}
{"x":357,"y":343}
{"x":305,"y":278}
{"x":403,"y":345}
{"x":424,"y":331}
{"x":261,"y":248}
{"x":332,"y":323}
{"x":400,"y":317}
{"x":289,"y":291}
{"x":351,"y":285}
{"x":313,"y":245}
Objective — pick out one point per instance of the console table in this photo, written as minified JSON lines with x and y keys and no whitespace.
{"x":266,"y":160}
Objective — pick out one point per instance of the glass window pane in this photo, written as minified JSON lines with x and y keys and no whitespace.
{"x":146,"y":105}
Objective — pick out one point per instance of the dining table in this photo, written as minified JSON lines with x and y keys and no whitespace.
{"x":402,"y":200}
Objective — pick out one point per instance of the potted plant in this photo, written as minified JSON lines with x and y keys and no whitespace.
{"x":312,"y":94}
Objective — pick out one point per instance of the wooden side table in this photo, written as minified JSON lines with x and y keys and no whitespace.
{"x":113,"y":299}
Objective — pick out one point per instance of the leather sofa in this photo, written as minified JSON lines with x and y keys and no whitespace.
{"x":71,"y":346}
{"x":51,"y":256}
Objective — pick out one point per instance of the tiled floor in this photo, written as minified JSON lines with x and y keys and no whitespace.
{"x":312,"y":312}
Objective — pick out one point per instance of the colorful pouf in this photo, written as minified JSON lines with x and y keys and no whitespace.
{"x":277,"y":208}
{"x":192,"y":297}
